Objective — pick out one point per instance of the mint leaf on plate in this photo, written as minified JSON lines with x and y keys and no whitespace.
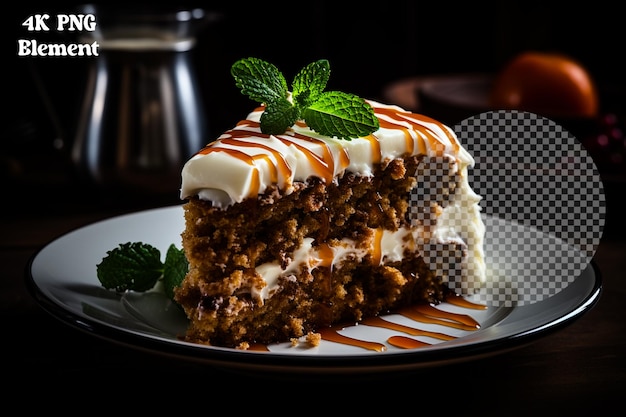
{"x":174,"y":269}
{"x":131,"y":266}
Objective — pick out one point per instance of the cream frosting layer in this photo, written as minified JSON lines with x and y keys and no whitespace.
{"x":243,"y":162}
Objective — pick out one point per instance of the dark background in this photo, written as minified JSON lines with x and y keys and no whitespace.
{"x":368,"y":45}
{"x":576,"y":371}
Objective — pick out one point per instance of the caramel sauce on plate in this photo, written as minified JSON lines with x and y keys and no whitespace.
{"x":420,"y":313}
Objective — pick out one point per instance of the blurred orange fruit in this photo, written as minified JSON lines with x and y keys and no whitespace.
{"x":549,"y":84}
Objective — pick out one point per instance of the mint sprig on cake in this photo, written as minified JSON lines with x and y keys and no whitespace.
{"x":329,"y":113}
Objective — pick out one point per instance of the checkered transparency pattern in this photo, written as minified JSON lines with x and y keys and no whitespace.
{"x":436,"y":182}
{"x":542,"y":201}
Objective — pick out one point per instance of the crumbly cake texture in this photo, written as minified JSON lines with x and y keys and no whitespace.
{"x":225,"y":247}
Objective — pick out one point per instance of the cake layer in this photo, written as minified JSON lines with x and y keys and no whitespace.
{"x":285,"y":265}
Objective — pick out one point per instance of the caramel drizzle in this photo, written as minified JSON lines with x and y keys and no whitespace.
{"x":323,"y":165}
{"x":377,"y":252}
{"x":423,"y":313}
{"x":421,"y":133}
{"x":259,"y":347}
{"x":325,"y":257}
{"x":331,"y":334}
{"x":426,"y":313}
{"x":424,"y":128}
{"x":406,"y":342}
{"x":376,"y":152}
{"x":380,"y":322}
{"x":283,"y":166}
{"x":463,"y":302}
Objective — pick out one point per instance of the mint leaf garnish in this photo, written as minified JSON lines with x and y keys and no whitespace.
{"x":259,"y":80}
{"x":278,"y":116}
{"x":131,"y":266}
{"x":310,"y":82}
{"x":137,"y":266}
{"x":174,"y":269}
{"x":342,"y":115}
{"x":333,"y":113}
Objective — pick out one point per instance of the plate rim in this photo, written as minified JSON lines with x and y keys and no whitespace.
{"x":282,"y":363}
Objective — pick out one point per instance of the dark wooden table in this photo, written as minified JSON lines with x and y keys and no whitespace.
{"x":578,"y":370}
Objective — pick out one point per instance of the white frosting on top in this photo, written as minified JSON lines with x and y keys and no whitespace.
{"x":243,"y":162}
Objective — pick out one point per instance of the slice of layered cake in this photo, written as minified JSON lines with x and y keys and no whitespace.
{"x":291,"y":229}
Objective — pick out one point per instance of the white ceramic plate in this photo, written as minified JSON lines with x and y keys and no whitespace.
{"x":62,"y":278}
